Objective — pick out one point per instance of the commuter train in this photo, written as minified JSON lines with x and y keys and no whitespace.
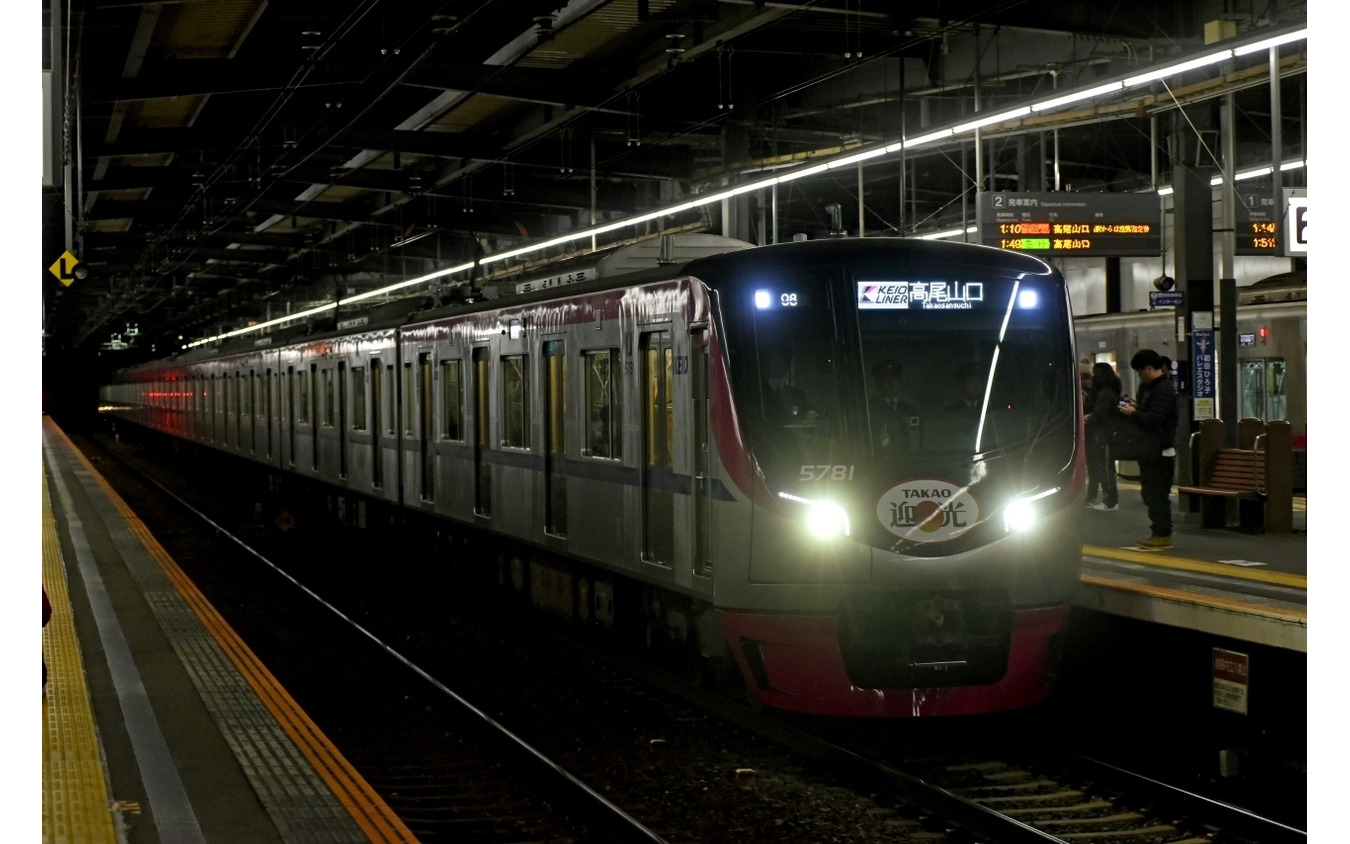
{"x":702,"y":447}
{"x":1272,"y":351}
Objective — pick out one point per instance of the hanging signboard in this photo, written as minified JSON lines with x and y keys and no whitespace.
{"x":1296,"y":222}
{"x":1060,"y":223}
{"x":1257,"y":220}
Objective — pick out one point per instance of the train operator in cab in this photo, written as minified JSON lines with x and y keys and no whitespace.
{"x":893,"y":418}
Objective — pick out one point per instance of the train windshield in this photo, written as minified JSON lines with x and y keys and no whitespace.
{"x":907,"y":365}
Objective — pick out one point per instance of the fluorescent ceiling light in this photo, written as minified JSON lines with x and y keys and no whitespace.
{"x":1002,"y":117}
{"x":946,"y":233}
{"x":1271,"y":42}
{"x":810,"y":171}
{"x":1217,"y":181}
{"x":940,"y":135}
{"x":856,"y":157}
{"x":1100,"y":90}
{"x":1203,"y":61}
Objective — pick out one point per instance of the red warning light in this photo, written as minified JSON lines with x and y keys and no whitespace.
{"x":1263,"y":333}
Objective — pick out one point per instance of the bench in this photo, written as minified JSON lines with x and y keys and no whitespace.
{"x":1255,"y":476}
{"x":1235,"y":473}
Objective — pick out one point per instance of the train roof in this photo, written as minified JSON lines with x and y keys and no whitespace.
{"x":685,"y":253}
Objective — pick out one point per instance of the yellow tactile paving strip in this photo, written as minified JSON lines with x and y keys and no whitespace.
{"x":76,"y":807}
{"x":369,"y":811}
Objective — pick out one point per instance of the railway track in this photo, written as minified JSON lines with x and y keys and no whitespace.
{"x":450,"y":771}
{"x":638,"y":754}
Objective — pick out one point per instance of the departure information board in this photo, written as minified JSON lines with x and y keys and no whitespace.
{"x":1085,"y":224}
{"x":1257,"y":220}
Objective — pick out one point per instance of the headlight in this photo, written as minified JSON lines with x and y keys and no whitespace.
{"x":824,"y":519}
{"x":1018,"y":516}
{"x":1021,"y":513}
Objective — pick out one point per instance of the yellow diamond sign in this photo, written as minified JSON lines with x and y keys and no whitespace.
{"x":64,"y":268}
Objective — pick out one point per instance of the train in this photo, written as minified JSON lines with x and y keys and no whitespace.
{"x":699,"y":450}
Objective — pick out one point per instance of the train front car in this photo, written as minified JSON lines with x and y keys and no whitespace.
{"x":905,"y":426}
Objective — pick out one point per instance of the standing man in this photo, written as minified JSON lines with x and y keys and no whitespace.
{"x":1154,"y":409}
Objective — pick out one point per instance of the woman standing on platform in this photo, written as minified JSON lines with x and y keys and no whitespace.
{"x":1100,"y":419}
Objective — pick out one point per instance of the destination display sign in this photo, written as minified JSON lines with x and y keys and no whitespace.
{"x":1085,"y":224}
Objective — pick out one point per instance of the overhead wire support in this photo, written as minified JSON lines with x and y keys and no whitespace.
{"x":1011,"y":118}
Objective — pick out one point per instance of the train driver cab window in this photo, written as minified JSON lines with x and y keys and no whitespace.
{"x":452,"y":400}
{"x":516,"y":401}
{"x":603,"y":404}
{"x":976,"y":362}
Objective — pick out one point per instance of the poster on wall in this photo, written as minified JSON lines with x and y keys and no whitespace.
{"x":1202,"y":374}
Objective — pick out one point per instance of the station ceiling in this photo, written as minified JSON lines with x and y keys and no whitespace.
{"x":234,"y":161}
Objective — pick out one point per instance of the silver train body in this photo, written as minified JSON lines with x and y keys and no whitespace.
{"x":624,"y":435}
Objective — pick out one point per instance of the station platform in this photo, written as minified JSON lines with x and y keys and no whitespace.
{"x":1252,"y":587}
{"x":158,"y":723}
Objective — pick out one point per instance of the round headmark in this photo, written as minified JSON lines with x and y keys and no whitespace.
{"x":927,"y":510}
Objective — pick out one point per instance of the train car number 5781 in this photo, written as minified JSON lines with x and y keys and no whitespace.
{"x":823,"y":472}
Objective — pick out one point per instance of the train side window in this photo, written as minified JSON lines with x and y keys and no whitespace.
{"x":658,"y":371}
{"x":387,"y":408}
{"x":302,"y":404}
{"x":239,"y":410}
{"x":603,"y":404}
{"x":290,"y":413}
{"x":452,"y":399}
{"x":268,"y":387}
{"x":555,"y":396}
{"x":358,"y":392}
{"x":408,"y":405}
{"x":515,"y":401}
{"x":328,"y":398}
{"x":314,"y":414}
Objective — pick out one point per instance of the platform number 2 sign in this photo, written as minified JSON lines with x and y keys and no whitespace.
{"x":1296,"y":224}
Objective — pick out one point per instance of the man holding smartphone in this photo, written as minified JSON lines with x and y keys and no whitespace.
{"x":1154,"y":408}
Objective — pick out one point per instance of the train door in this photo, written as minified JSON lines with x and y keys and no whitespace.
{"x":482,"y":474}
{"x":290,"y":415}
{"x":312,"y":413}
{"x":424,"y":408}
{"x":342,"y":417}
{"x":701,"y":487}
{"x":658,"y":418}
{"x":256,"y":408}
{"x":555,"y":438}
{"x":377,"y":424}
{"x":268,"y":382}
{"x":389,"y":410}
{"x":239,"y":395}
{"x":360,"y":420}
{"x":1261,"y":389}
